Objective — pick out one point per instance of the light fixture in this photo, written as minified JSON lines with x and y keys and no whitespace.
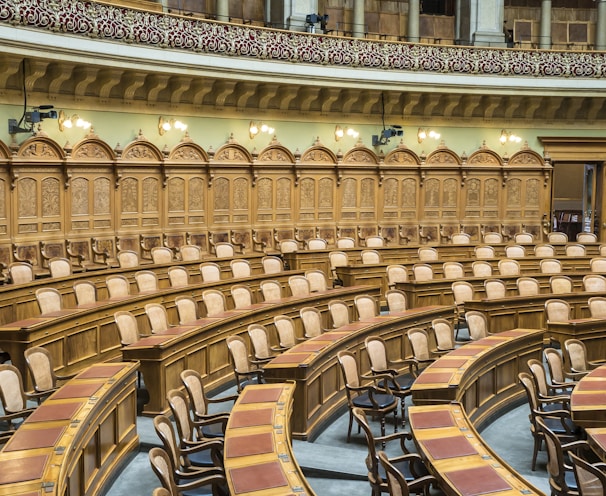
{"x":423,"y":134}
{"x":509,"y":136}
{"x":165,"y":125}
{"x":75,"y":120}
{"x":341,"y":132}
{"x":259,"y":127}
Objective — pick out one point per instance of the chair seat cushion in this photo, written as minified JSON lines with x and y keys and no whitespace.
{"x":383,"y":401}
{"x":404,"y":383}
{"x":213,"y":430}
{"x":555,"y":425}
{"x":404,"y":467}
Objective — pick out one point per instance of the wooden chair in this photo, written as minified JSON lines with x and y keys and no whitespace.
{"x":128,"y":328}
{"x":285,"y":327}
{"x":594,"y":283}
{"x":224,"y":250}
{"x":147,"y":281}
{"x":557,"y":310}
{"x":346,"y":242}
{"x":396,"y":301}
{"x":597,"y":264}
{"x":370,"y":257}
{"x":299,"y":286}
{"x":49,"y":300}
{"x":396,"y":274}
{"x":312,"y":322}
{"x":271,"y":290}
{"x":178,"y":276}
{"x":339,"y":313}
{"x":508,"y":267}
{"x":528,"y":286}
{"x":187,"y":309}
{"x":575,"y":250}
{"x":602,"y":250}
{"x":272,"y":265}
{"x":453,"y":270}
{"x":444,"y":333}
{"x":495,"y":289}
{"x":13,"y":397}
{"x":477,"y":325}
{"x":492,"y":238}
{"x":40,"y":365}
{"x":242,"y":296}
{"x":366,"y":307}
{"x":462,"y":291}
{"x":590,"y":477}
{"x":118,"y":286}
{"x":128,"y":259}
{"x":245,"y":369}
{"x":59,"y":267}
{"x":427,"y":254}
{"x":337,"y":259}
{"x":523,"y":238}
{"x":484,"y":252}
{"x":550,"y":266}
{"x":374,"y":241}
{"x":422,"y":272}
{"x":85,"y":292}
{"x":557,"y":370}
{"x":548,"y":390}
{"x":586,"y":237}
{"x":210,"y":271}
{"x":316,"y":244}
{"x":544,"y":251}
{"x":362,"y":392}
{"x":190,"y":253}
{"x":597,"y":307}
{"x":214,"y":301}
{"x":259,"y":338}
{"x":288,"y":246}
{"x":515,"y":251}
{"x":460,"y":238}
{"x":396,"y":481}
{"x":560,"y":284}
{"x":158,"y":317}
{"x":21,"y":272}
{"x":576,"y":358}
{"x":422,"y":353}
{"x":240,"y":268}
{"x":481,"y":268}
{"x":161,"y":255}
{"x":317,"y":281}
{"x":557,"y":237}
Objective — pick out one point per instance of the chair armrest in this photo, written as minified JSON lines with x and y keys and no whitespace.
{"x":231,"y":397}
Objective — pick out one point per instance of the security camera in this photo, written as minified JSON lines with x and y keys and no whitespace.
{"x":383,"y":138}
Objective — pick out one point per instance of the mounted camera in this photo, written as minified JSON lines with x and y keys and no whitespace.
{"x":386,"y":134}
{"x":38,"y":114}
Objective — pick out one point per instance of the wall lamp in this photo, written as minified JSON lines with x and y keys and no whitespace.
{"x":75,"y":120}
{"x":259,"y":127}
{"x":341,"y":132}
{"x":165,"y":125}
{"x":509,"y":136}
{"x":423,"y":134}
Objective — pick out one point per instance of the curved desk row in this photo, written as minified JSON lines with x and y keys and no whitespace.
{"x":202,"y":347}
{"x":74,"y":441}
{"x":313,"y":364}
{"x":481,"y":375}
{"x":258,"y":454}
{"x":458,"y":457}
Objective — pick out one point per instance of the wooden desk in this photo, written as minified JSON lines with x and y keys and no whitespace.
{"x":313,"y":365}
{"x":588,"y":399}
{"x":258,"y":454}
{"x":481,"y":375}
{"x":458,"y":457}
{"x":590,"y":331}
{"x":203,"y":347}
{"x":77,"y":439}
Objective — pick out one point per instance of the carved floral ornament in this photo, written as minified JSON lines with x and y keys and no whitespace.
{"x":131,"y":26}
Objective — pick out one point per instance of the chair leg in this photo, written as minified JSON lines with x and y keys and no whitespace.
{"x":395,"y":420}
{"x":383,"y":430}
{"x":350,"y":424}
{"x":535,"y":452}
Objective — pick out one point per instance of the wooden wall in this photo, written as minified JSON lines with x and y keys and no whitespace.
{"x":91,"y":190}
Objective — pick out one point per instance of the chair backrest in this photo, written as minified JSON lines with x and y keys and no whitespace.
{"x":484,"y":252}
{"x":288,"y":246}
{"x":527,"y":286}
{"x":460,"y":238}
{"x":427,"y":254}
{"x":492,"y":238}
{"x":586,"y":237}
{"x":192,"y":380}
{"x":396,"y":274}
{"x":594,"y":283}
{"x":557,"y":237}
{"x":523,"y":237}
{"x":272,"y":265}
{"x":349,"y":369}
{"x":370,"y":257}
{"x":12,"y":394}
{"x":591,"y":480}
{"x":190,"y":253}
{"x":317,"y":280}
{"x":544,"y":250}
{"x":210,"y":271}
{"x":239,"y":354}
{"x":444,"y":332}
{"x":127,"y":326}
{"x":462,"y":291}
{"x":555,"y":363}
{"x":557,"y":310}
{"x":271,"y":290}
{"x":147,"y":280}
{"x":374,"y":241}
{"x":396,"y":300}
{"x":85,"y":292}
{"x":117,"y":286}
{"x":515,"y":251}
{"x":40,"y":365}
{"x":157,"y":316}
{"x":285,"y":327}
{"x":575,"y":250}
{"x":508,"y":267}
{"x":556,"y":465}
{"x":560,"y":284}
{"x":481,"y":268}
{"x":338,"y":259}
{"x":242,"y":296}
{"x":339,"y":313}
{"x":372,"y":461}
{"x":366,"y":306}
{"x":240,"y":268}
{"x":396,"y":480}
{"x":494,"y":288}
{"x":180,"y":408}
{"x":316,"y":244}
{"x":214,"y":301}
{"x":419,"y":343}
{"x":422,"y":272}
{"x":259,"y":338}
{"x":299,"y":286}
{"x":60,"y":267}
{"x":477,"y":324}
{"x":178,"y":276}
{"x":575,"y":355}
{"x":49,"y":300}
{"x":550,"y":266}
{"x":127,"y":259}
{"x":187,"y":309}
{"x":312,"y":321}
{"x":537,"y":370}
{"x":224,"y":250}
{"x":21,"y":272}
{"x":453,"y":270}
{"x":346,"y":243}
{"x":161,"y":255}
{"x":597,"y":307}
{"x":163,"y":467}
{"x":597,"y":264}
{"x":166,"y":433}
{"x":602,"y":250}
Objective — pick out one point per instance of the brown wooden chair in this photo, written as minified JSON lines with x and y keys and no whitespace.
{"x":271,"y":290}
{"x":481,"y":268}
{"x":210,"y":271}
{"x":527,"y":286}
{"x":60,"y":267}
{"x":187,"y":309}
{"x":259,"y":338}
{"x":317,"y":280}
{"x":576,"y":358}
{"x":546,"y":389}
{"x":178,"y":276}
{"x":370,"y":257}
{"x":158,"y":317}
{"x":495,"y":289}
{"x":13,"y":397}
{"x":214,"y":301}
{"x":299,"y":286}
{"x":362,"y":392}
{"x":240,"y":268}
{"x":477,"y":324}
{"x":453,"y":270}
{"x":337,"y":259}
{"x":20,"y":272}
{"x":147,"y":281}
{"x":557,"y":370}
{"x":590,"y":477}
{"x":395,"y":274}
{"x":272,"y":265}
{"x":128,"y":329}
{"x":594,"y":283}
{"x":118,"y":286}
{"x":312,"y":322}
{"x":40,"y":365}
{"x":396,"y":301}
{"x":128,"y":259}
{"x":561,"y":284}
{"x":242,"y":296}
{"x":316,"y":244}
{"x":427,"y":254}
{"x":422,"y":272}
{"x":422,"y":352}
{"x":85,"y":292}
{"x":509,"y":267}
{"x":49,"y":300}
{"x":287,"y":336}
{"x":484,"y":252}
{"x":339,"y":313}
{"x":544,"y":250}
{"x":597,"y":307}
{"x":245,"y":369}
{"x":190,"y":253}
{"x":396,"y":481}
{"x":444,"y":333}
{"x":492,"y":238}
{"x":557,"y":310}
{"x":366,"y":307}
